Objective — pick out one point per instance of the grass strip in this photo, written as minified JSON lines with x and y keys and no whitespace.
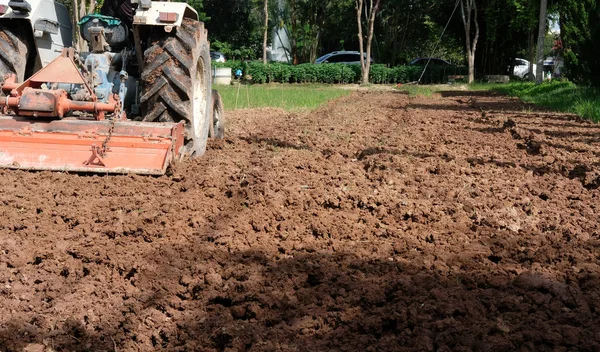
{"x":556,"y":95}
{"x":419,"y":91}
{"x":286,"y":96}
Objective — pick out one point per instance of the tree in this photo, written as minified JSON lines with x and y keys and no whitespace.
{"x":408,"y":29}
{"x":74,"y":20}
{"x":294,"y":33}
{"x":580,"y":32}
{"x":238,"y":23}
{"x":371,"y":9}
{"x":468,"y":11}
{"x":502,"y":35}
{"x":312,"y":16}
{"x":539,"y":74}
{"x":527,"y":20}
{"x":266,"y":31}
{"x":79,"y":9}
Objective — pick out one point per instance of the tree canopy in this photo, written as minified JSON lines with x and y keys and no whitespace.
{"x":408,"y":29}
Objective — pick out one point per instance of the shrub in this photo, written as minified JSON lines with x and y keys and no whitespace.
{"x":340,"y":73}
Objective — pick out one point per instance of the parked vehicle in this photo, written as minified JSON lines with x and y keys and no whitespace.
{"x":553,"y":67}
{"x":521,"y":69}
{"x":433,"y":61}
{"x":217,"y":56}
{"x":341,"y":57}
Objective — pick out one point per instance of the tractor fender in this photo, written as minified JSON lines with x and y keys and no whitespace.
{"x":166,"y":14}
{"x":46,"y":25}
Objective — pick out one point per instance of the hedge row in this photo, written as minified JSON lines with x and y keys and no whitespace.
{"x":340,"y":73}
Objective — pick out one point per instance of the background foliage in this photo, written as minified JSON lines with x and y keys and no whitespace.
{"x":340,"y":73}
{"x":407,"y":29}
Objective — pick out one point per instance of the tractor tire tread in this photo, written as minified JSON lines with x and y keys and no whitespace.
{"x":180,"y":81}
{"x":13,"y":54}
{"x":155,"y":113}
{"x":167,"y":81}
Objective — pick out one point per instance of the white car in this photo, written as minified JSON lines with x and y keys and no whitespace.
{"x":521,"y":69}
{"x":217,"y":56}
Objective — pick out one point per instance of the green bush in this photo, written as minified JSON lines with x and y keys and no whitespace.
{"x":340,"y":73}
{"x":233,"y":65}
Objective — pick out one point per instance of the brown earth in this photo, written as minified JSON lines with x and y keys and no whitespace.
{"x":380,"y":222}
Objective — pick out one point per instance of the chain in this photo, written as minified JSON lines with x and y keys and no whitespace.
{"x":103,"y":148}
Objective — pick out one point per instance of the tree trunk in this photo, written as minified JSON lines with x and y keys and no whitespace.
{"x":468,"y":9}
{"x":370,"y":14}
{"x":74,"y":20}
{"x":82,"y":45}
{"x":531,"y":53}
{"x":539,"y":74}
{"x":471,"y":60}
{"x":370,"y":41}
{"x":359,"y":6}
{"x":394,"y":50}
{"x":266,"y":34}
{"x":294,"y":33}
{"x":314,"y":46}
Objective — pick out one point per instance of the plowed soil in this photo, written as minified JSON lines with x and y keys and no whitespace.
{"x":380,"y":222}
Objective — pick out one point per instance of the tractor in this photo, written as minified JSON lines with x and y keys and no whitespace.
{"x":137,"y":102}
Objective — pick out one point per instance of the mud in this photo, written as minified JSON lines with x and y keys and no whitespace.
{"x":380,"y":222}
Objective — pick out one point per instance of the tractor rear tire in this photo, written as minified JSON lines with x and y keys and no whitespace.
{"x":13,"y":53}
{"x":217,"y":125}
{"x":176,"y":82}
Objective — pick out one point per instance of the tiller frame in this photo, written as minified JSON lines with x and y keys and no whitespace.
{"x":40,"y":136}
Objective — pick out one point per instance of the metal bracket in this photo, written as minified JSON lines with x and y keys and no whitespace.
{"x":99,"y":44}
{"x":95,"y":159}
{"x":46,"y":26}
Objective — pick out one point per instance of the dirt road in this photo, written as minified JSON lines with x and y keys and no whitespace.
{"x":380,"y":222}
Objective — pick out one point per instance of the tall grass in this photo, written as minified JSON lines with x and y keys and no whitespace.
{"x":285,"y":96}
{"x":414,"y":91}
{"x":556,"y":95}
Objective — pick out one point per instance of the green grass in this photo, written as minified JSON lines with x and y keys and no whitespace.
{"x":285,"y":96}
{"x":415,"y":91}
{"x":555,"y":95}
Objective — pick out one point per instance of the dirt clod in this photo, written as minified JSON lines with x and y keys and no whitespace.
{"x":379,"y":222}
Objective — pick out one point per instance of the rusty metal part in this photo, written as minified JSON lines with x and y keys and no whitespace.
{"x":104,"y":147}
{"x":99,"y":44}
{"x":54,"y":103}
{"x":10,"y":83}
{"x":62,"y":69}
{"x":76,"y":145}
{"x":29,"y":99}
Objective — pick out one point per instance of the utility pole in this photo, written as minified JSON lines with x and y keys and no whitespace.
{"x":539,"y":72}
